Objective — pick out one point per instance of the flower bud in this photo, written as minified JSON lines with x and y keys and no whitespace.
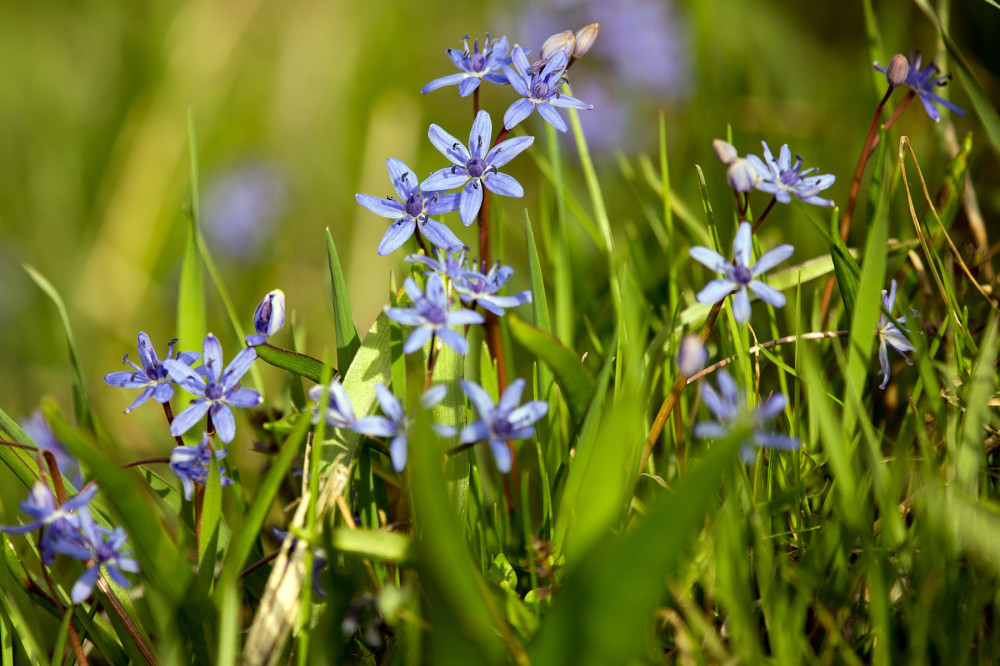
{"x":741,"y":175}
{"x":692,"y":356}
{"x":585,"y":38}
{"x":897,"y":71}
{"x":725,"y":151}
{"x":269,"y":317}
{"x":562,"y":41}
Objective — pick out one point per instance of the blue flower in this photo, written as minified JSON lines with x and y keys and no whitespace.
{"x":104,"y":548}
{"x":475,"y":287}
{"x":923,"y":81}
{"x":739,"y":275}
{"x":152,"y":377}
{"x":320,"y":561}
{"x":339,"y":412}
{"x":417,"y":201}
{"x":268,"y":318}
{"x":475,"y":65}
{"x":503,"y":421}
{"x":476,"y":167}
{"x":398,"y":424}
{"x":782,"y":178}
{"x":539,"y":90}
{"x":888,"y":334}
{"x":58,"y":521}
{"x":451,"y":265}
{"x":38,"y":430}
{"x":431,"y":314}
{"x":729,"y":406}
{"x":191,"y":463}
{"x":218,"y":389}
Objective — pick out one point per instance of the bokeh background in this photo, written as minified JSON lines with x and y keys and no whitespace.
{"x":298,"y":104}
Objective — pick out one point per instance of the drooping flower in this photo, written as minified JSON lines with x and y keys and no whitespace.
{"x":739,"y":275}
{"x":729,"y":406}
{"x":398,"y":424}
{"x":782,"y":178}
{"x":268,"y":318}
{"x":539,"y":89}
{"x":476,"y":66}
{"x":191,"y":464}
{"x":451,"y":265}
{"x":339,"y":412}
{"x":431,"y":314}
{"x":152,"y":377}
{"x":412,"y":211}
{"x":889,"y":334}
{"x":56,"y":519}
{"x":923,"y":81}
{"x":503,"y":421}
{"x":478,"y":288}
{"x":477,"y":166}
{"x":218,"y":389}
{"x":105,"y":549}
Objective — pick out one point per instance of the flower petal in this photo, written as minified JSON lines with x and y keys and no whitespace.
{"x":767,"y":293}
{"x":449,"y":146}
{"x":517,"y":112}
{"x":397,"y":234}
{"x":507,"y":150}
{"x":503,"y":184}
{"x":470,"y":202}
{"x":771,"y":258}
{"x":187,"y":418}
{"x":552,"y":117}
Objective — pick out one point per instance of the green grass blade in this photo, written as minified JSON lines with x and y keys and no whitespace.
{"x":347,"y":335}
{"x":294,"y":362}
{"x":191,"y":326}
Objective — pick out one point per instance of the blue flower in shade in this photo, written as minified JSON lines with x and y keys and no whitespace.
{"x":105,"y":548}
{"x":782,"y":178}
{"x":431,"y":314}
{"x":191,"y":463}
{"x":476,"y":167}
{"x":58,"y":520}
{"x":417,"y":201}
{"x":320,"y":561}
{"x":476,"y":66}
{"x":268,"y":318}
{"x":503,"y":421}
{"x":339,"y":412}
{"x":923,"y":81}
{"x":729,"y":406}
{"x":451,"y":265}
{"x":152,"y":377}
{"x":539,"y":90}
{"x":40,"y":433}
{"x":475,"y":287}
{"x":217,"y":389}
{"x":889,"y":334}
{"x":739,"y":275}
{"x":398,"y":424}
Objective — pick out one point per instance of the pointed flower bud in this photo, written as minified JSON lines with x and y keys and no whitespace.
{"x":741,"y":175}
{"x":898,"y":70}
{"x":585,"y":38}
{"x":725,"y":151}
{"x":561,"y":41}
{"x":269,"y":317}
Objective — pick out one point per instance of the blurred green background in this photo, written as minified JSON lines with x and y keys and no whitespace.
{"x":299,"y":103}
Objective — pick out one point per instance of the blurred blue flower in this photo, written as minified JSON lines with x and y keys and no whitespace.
{"x":58,"y":521}
{"x":320,"y":561}
{"x":268,"y":318}
{"x":431,"y":314}
{"x":417,"y":202}
{"x":539,"y":90}
{"x":152,"y":377}
{"x":923,"y":81}
{"x":781,"y":178}
{"x":503,"y":421}
{"x":888,"y":334}
{"x":398,"y":424}
{"x":40,"y":433}
{"x":339,"y":412}
{"x":476,"y":167}
{"x":218,"y":389}
{"x":105,"y":549}
{"x":729,"y":406}
{"x":191,"y":463}
{"x":691,"y":355}
{"x":476,"y":288}
{"x":739,"y":275}
{"x":240,"y":208}
{"x":451,"y":265}
{"x":476,"y":66}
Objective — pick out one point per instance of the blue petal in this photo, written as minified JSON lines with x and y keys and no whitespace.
{"x":464,"y":317}
{"x":465,"y":88}
{"x":771,"y":258}
{"x":508,"y":150}
{"x":84,"y":585}
{"x":187,"y":418}
{"x":433,"y":396}
{"x":446,"y":179}
{"x":512,"y":396}
{"x":474,"y":432}
{"x":375,"y":426}
{"x":481,"y":133}
{"x":222,"y":419}
{"x":404,"y":181}
{"x":519,"y":84}
{"x":454,"y":340}
{"x":397,"y":234}
{"x":390,"y":404}
{"x":445,"y":203}
{"x":741,"y":306}
{"x":440,"y":235}
{"x":212,"y":357}
{"x":397,"y":452}
{"x":503,"y":184}
{"x":470,"y":202}
{"x":479,"y":398}
{"x":449,"y":80}
{"x":552,"y":117}
{"x":743,"y":245}
{"x":404,"y":316}
{"x":767,"y":293}
{"x":127,"y":379}
{"x":238,"y":367}
{"x":567,"y":102}
{"x":243,"y":397}
{"x":709,"y":430}
{"x":709,"y":258}
{"x":715,"y":291}
{"x":189,"y":380}
{"x":418,"y":338}
{"x":449,"y":146}
{"x":517,"y":112}
{"x":145,"y":395}
{"x":528,"y":413}
{"x":501,"y":455}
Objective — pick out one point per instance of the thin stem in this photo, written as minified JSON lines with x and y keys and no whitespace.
{"x":821,"y":335}
{"x":145,"y":461}
{"x":431,"y":362}
{"x":170,"y":420}
{"x":767,"y":210}
{"x":259,"y":563}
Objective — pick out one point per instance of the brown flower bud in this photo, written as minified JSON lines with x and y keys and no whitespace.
{"x":585,"y":38}
{"x":561,"y":41}
{"x":725,"y":151}
{"x":898,"y":70}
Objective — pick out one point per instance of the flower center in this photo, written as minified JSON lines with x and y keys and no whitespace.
{"x":415,"y":206}
{"x":742,"y":275}
{"x":214,"y":391}
{"x":540,"y":90}
{"x":476,"y":167}
{"x":789,"y":177}
{"x":477,"y":62}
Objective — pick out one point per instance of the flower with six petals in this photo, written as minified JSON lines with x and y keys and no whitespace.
{"x":503,"y":421}
{"x":397,"y":423}
{"x":432,"y":314}
{"x":889,"y":334}
{"x":476,"y":66}
{"x":152,"y":377}
{"x":539,"y":89}
{"x":782,"y":178}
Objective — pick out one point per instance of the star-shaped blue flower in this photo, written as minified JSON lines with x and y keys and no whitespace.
{"x":539,"y":90}
{"x":502,"y":421}
{"x":217,"y":389}
{"x":475,"y":287}
{"x":476,"y":66}
{"x":106,"y":549}
{"x":923,"y":81}
{"x":339,"y":412}
{"x":739,"y":275}
{"x":782,"y":178}
{"x":889,"y":334}
{"x":412,"y":211}
{"x":191,"y":463}
{"x":58,"y":520}
{"x":431,"y":314}
{"x":398,"y":424}
{"x":477,"y":166}
{"x":451,"y":265}
{"x":152,"y":377}
{"x":729,"y":406}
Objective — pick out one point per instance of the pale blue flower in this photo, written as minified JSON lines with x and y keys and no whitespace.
{"x":105,"y":549}
{"x":480,"y":289}
{"x":923,"y":81}
{"x":191,"y":464}
{"x":152,"y":377}
{"x":782,"y":178}
{"x":475,"y":66}
{"x":397,"y":423}
{"x":539,"y":89}
{"x":58,"y":520}
{"x":506,"y":420}
{"x":432,"y":314}
{"x":339,"y":412}
{"x":888,"y":334}
{"x":451,"y":265}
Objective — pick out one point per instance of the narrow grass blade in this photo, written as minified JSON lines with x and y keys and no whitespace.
{"x":348,"y":341}
{"x":294,"y":362}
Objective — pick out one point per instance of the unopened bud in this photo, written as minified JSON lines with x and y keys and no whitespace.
{"x":741,"y":175}
{"x":585,"y":38}
{"x":268,"y":318}
{"x":898,"y":70}
{"x":692,"y":356}
{"x":562,"y":41}
{"x":725,"y":151}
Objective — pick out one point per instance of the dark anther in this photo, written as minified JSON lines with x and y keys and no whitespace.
{"x":453,"y":169}
{"x":124,"y":359}
{"x":454,"y":146}
{"x":475,"y":183}
{"x":403,"y":177}
{"x":480,"y":141}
